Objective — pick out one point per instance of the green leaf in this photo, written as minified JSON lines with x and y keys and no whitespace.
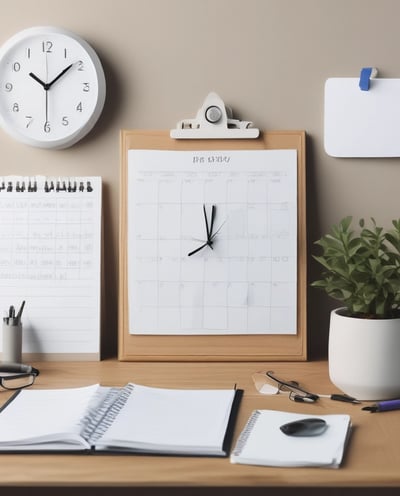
{"x":361,"y":269}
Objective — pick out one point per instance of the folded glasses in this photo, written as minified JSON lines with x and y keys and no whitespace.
{"x":17,"y":376}
{"x":269,"y":384}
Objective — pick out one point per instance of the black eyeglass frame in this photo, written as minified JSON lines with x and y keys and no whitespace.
{"x":296,"y":393}
{"x":32,"y":373}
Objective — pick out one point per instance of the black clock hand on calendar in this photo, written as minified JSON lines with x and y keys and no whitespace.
{"x":209,"y":230}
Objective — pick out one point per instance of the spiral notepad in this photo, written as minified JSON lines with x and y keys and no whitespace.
{"x":50,"y":256}
{"x":261,"y":441}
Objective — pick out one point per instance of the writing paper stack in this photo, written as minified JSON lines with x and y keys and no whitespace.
{"x":263,"y":443}
{"x":136,"y":419}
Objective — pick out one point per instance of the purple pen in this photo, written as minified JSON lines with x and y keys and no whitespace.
{"x":383,"y":406}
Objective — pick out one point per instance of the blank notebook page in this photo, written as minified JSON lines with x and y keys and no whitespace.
{"x":173,"y":418}
{"x":45,"y":413}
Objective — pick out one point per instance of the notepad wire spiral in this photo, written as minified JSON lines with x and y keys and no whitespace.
{"x":99,"y":419}
{"x":47,"y":185}
{"x":242,"y":440}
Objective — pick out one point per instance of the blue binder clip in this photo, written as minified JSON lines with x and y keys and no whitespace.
{"x":365,"y":77}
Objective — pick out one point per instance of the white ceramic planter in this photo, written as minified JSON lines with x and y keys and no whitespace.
{"x":364,"y":356}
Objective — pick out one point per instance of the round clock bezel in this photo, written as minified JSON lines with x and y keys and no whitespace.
{"x":75,"y":136}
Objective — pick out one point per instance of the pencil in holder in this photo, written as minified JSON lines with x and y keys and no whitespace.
{"x":12,"y":335}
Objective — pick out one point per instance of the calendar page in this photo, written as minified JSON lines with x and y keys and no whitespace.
{"x":212,"y":242}
{"x":50,"y":257}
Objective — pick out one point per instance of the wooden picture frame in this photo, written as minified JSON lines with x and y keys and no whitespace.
{"x":226,"y":347}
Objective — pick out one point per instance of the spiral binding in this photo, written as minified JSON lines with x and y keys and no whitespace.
{"x":50,"y":185}
{"x":242,"y":440}
{"x":99,"y":419}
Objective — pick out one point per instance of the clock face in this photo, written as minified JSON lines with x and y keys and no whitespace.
{"x":52,"y":87}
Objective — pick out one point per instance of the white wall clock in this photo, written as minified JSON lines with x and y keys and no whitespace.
{"x":52,"y":87}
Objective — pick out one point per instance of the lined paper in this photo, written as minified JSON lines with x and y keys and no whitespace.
{"x":50,"y":254}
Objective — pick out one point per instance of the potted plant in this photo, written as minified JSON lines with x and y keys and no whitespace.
{"x":362,"y":270}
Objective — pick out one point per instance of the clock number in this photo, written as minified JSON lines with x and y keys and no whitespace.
{"x":28,"y":53}
{"x":47,"y":46}
{"x":79,"y":107}
{"x":86,"y":87}
{"x":65,"y":53}
{"x":16,"y":67}
{"x":46,"y":127}
{"x":29,"y":119}
{"x":65,"y":121}
{"x":15,"y":107}
{"x":8,"y":87}
{"x":81,"y":67}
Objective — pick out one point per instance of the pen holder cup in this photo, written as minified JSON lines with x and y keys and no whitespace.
{"x":12,"y":343}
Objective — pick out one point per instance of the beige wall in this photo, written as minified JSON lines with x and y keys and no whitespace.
{"x":267,"y":59}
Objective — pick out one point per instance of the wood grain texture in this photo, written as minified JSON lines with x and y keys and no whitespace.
{"x":371,"y":460}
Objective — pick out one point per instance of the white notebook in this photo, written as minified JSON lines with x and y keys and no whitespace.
{"x":50,"y":257}
{"x":262,"y":443}
{"x":133,"y":419}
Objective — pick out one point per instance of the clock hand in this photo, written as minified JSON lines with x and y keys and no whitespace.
{"x":209,"y":230}
{"x":216,"y":232}
{"x":47,"y":86}
{"x":197,"y":249}
{"x":58,"y":77}
{"x":210,"y":233}
{"x":206,"y":221}
{"x":47,"y":109}
{"x":33,"y":76}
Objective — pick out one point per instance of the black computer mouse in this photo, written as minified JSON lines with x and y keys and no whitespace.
{"x":305,"y":427}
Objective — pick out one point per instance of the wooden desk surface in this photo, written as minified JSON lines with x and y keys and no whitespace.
{"x":372,"y":458}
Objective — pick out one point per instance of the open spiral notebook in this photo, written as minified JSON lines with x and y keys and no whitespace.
{"x":131,"y":419}
{"x":50,"y":257}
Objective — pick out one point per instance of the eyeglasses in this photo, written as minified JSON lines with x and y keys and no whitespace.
{"x":12,"y":381}
{"x":267,"y":383}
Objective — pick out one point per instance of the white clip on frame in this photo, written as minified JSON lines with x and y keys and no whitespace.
{"x":214,"y":121}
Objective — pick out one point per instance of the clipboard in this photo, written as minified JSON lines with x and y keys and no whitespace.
{"x":226,"y":346}
{"x":212,"y":241}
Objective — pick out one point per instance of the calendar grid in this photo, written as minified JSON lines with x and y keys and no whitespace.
{"x":244,"y":284}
